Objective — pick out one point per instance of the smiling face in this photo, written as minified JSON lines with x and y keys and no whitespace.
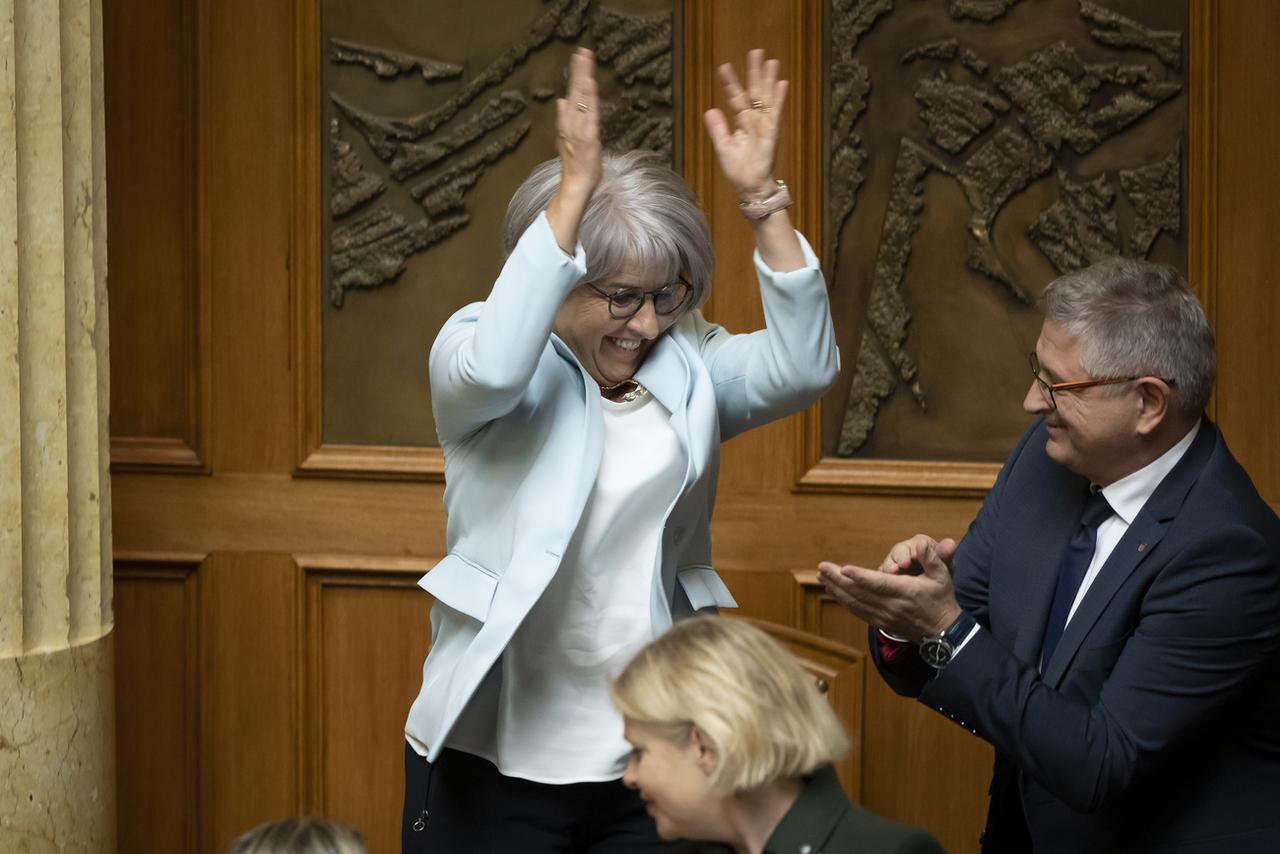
{"x":1093,"y":431}
{"x":611,"y":349}
{"x":673,"y":779}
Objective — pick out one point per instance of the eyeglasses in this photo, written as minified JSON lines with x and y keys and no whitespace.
{"x":1048,"y":388}
{"x":625,"y":302}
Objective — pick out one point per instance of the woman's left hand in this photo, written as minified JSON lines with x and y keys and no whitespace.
{"x":746,"y":152}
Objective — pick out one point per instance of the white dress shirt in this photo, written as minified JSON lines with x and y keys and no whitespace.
{"x":1126,"y":497}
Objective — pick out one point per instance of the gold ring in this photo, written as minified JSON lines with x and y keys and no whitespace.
{"x":582,"y":108}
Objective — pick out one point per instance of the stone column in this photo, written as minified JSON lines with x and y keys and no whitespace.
{"x":57,"y":724}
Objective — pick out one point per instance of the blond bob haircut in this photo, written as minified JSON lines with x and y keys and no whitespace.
{"x":762,"y":713}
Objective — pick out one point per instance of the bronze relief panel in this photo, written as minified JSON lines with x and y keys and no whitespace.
{"x":432,"y":116}
{"x":977,"y":149}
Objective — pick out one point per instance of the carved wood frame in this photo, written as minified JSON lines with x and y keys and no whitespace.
{"x":816,"y":472}
{"x":313,"y":456}
{"x":188,"y":453}
{"x":319,"y":571}
{"x":183,"y":569}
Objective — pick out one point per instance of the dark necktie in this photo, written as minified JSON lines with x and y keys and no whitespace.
{"x":1076,"y":558}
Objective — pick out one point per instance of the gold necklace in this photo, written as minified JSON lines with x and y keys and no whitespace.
{"x":623,"y":392}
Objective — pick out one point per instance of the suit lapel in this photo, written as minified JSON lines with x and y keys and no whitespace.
{"x":1134,"y":547}
{"x":668,"y":376}
{"x":1063,"y":501}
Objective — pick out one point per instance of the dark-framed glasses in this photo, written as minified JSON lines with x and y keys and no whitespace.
{"x":625,"y":302}
{"x":1048,"y":389}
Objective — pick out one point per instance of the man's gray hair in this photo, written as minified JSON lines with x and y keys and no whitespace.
{"x":642,"y":218}
{"x":1135,"y":318}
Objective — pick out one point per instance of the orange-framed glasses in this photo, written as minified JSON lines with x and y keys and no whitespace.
{"x":1049,"y":388}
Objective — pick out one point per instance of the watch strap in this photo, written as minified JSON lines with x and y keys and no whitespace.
{"x":959,"y":629}
{"x":938,"y":650}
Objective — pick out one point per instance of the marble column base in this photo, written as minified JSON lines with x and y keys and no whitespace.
{"x":57,"y":750}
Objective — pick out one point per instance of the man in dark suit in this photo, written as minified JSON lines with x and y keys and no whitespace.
{"x":1111,"y":620}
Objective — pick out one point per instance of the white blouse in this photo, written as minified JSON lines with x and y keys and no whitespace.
{"x":555,"y":722}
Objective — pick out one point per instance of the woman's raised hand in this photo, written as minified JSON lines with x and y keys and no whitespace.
{"x":747,"y":150}
{"x":578,"y":126}
{"x":578,"y":142}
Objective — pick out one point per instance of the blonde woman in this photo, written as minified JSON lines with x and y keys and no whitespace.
{"x":733,"y":744}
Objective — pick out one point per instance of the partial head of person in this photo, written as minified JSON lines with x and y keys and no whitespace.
{"x":306,"y":835}
{"x":649,"y":259}
{"x":1123,"y":368}
{"x":717,"y":712}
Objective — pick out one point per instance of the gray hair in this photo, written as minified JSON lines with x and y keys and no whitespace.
{"x":1135,"y":318}
{"x":642,"y":217}
{"x":305,"y":835}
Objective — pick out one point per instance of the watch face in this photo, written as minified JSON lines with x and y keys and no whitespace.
{"x":936,"y":652}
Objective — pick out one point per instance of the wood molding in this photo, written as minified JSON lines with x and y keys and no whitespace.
{"x":189,"y":452}
{"x":305,"y":233}
{"x":321,"y":572}
{"x":379,"y":462}
{"x":698,"y":159}
{"x":1202,"y":158}
{"x":350,"y":565}
{"x":133,"y":563}
{"x":805,"y":604}
{"x":806,"y":124}
{"x":200,"y":405}
{"x":894,"y":477}
{"x":158,"y":453}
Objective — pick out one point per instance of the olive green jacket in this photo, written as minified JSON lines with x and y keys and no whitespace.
{"x":823,"y":821}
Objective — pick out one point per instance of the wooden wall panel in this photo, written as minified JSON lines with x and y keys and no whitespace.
{"x":367,"y":633}
{"x":249,"y":764}
{"x":157,"y":705}
{"x":723,"y":31}
{"x":246,"y":160}
{"x":1246,"y":302}
{"x":157,"y":307}
{"x":761,"y":593}
{"x":204,"y":251}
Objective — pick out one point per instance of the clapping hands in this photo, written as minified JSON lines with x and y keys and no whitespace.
{"x":911,"y":594}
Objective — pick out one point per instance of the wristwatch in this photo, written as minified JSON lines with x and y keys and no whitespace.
{"x":937,"y":650}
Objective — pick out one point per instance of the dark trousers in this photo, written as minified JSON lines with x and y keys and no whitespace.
{"x":461,"y":803}
{"x":1006,"y":831}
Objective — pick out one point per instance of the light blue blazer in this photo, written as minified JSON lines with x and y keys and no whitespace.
{"x":520,"y":424}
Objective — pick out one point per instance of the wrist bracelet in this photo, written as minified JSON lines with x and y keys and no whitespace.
{"x":778,"y":200}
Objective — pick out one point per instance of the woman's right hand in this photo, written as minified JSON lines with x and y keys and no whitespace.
{"x":578,"y":142}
